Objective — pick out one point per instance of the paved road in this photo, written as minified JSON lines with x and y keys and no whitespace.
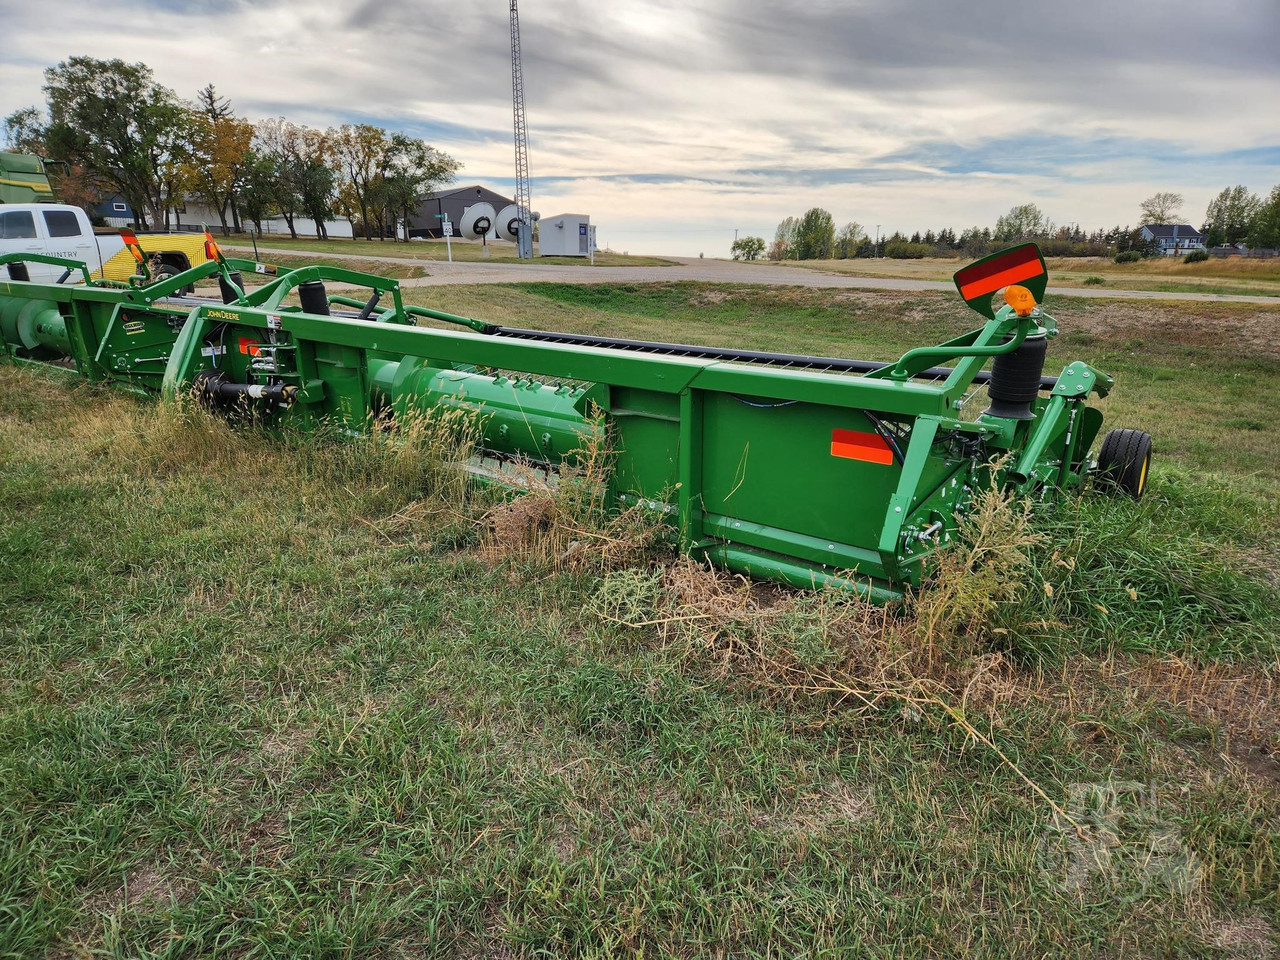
{"x":717,"y":271}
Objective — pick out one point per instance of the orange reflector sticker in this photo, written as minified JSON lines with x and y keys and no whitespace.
{"x":249,"y":346}
{"x":856,"y":445}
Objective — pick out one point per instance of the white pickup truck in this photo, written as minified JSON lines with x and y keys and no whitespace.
{"x":60,"y":230}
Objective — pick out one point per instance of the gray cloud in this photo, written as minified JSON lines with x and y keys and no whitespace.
{"x":674,"y":119}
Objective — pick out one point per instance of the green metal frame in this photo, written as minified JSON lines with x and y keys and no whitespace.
{"x":746,"y":461}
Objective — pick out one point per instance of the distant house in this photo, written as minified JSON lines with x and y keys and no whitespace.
{"x":196,"y":215}
{"x":114,"y":211}
{"x":452,"y":202}
{"x":118,"y":213}
{"x":1174,"y":239}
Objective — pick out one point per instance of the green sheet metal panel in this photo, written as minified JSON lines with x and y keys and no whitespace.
{"x":773,"y":465}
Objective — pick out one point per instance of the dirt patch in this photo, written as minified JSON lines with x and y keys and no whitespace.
{"x":1265,"y":559}
{"x":286,"y":743}
{"x":712,"y":297}
{"x":263,"y":839}
{"x":142,"y":885}
{"x":1245,"y":702}
{"x":833,"y":804}
{"x":1246,"y":937}
{"x":1249,"y":331}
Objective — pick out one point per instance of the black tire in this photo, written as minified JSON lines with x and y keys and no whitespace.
{"x":1124,"y":462}
{"x":167,"y":271}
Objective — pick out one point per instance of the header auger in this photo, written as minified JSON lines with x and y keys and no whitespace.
{"x":806,"y":470}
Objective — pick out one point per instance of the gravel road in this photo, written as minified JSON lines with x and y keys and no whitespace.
{"x":719,"y":271}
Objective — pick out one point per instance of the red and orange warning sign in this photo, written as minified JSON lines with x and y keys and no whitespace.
{"x":857,"y":445}
{"x":1022,"y":265}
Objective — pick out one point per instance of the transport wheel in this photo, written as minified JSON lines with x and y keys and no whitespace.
{"x":166,"y":272}
{"x":1125,"y":461}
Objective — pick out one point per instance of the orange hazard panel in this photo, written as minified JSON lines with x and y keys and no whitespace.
{"x":249,"y":346}
{"x":856,"y":445}
{"x":988,"y":276}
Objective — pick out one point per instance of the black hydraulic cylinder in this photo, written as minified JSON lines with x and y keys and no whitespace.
{"x":215,"y":391}
{"x":19,"y":271}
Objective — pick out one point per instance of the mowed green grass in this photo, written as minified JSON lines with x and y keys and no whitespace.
{"x":397,"y":271}
{"x":268,"y":698}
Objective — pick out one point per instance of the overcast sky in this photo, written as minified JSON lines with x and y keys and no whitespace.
{"x":673,"y":122}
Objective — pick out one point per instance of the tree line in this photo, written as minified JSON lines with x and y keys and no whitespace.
{"x":1234,"y":216}
{"x":109,"y":127}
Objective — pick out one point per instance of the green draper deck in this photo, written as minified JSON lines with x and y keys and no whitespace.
{"x":806,"y":470}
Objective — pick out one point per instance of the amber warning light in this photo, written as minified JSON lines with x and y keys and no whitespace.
{"x":211,"y":248}
{"x":1020,"y":298}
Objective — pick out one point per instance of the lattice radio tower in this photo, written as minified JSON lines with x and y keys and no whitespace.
{"x":523,"y":200}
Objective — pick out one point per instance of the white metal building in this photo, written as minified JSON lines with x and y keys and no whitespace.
{"x":566,"y":235}
{"x":337,"y":229}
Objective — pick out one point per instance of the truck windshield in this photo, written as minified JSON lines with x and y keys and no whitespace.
{"x":17,"y":225}
{"x":61,"y":223}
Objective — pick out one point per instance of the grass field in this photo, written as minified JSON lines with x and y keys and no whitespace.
{"x":470,"y":251}
{"x":1234,"y":275}
{"x":397,"y":271}
{"x":295,"y":698}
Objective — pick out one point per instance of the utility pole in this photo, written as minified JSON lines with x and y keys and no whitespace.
{"x":524,"y":203}
{"x":877,"y":250}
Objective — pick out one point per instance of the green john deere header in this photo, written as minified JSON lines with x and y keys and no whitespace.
{"x":23,"y":179}
{"x":806,"y":470}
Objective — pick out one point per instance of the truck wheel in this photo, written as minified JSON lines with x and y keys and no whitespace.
{"x":165,"y":272}
{"x":1125,"y":461}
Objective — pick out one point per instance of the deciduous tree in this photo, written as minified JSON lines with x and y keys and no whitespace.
{"x":361,"y":149}
{"x":316,"y":178}
{"x":218,"y":152}
{"x":815,"y":235}
{"x":1230,"y":215}
{"x":279,"y":143}
{"x":1023,"y":222}
{"x":1162,"y":207}
{"x":1265,"y":232}
{"x":25,"y":131}
{"x":256,"y":197}
{"x":410,"y":169}
{"x":849,"y":239}
{"x":747,"y":248}
{"x":784,"y":240}
{"x":114,"y":119}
